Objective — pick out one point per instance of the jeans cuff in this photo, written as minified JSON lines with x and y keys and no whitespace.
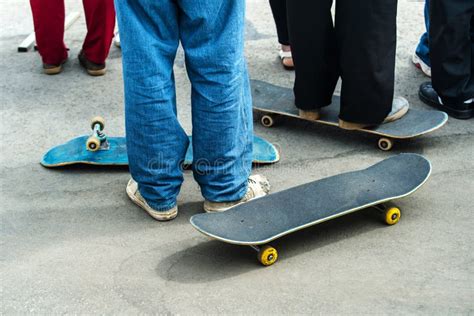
{"x":212,"y":197}
{"x":162,"y":207}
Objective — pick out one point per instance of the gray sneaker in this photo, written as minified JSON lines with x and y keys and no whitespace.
{"x":313,"y":115}
{"x":137,"y":198}
{"x":400,"y":107}
{"x":258,"y":186}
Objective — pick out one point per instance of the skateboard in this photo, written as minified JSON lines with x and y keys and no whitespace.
{"x":263,"y":220}
{"x":98,"y":149}
{"x":273,"y":102}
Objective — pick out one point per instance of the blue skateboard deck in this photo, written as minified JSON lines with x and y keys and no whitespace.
{"x":274,"y":101}
{"x":260,"y":221}
{"x":75,"y":152}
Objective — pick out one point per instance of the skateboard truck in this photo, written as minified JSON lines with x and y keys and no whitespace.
{"x":267,"y":255}
{"x":98,"y":139}
{"x":384,"y":143}
{"x":390,"y":212}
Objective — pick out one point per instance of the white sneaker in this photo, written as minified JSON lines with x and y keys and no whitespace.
{"x":420,"y":64}
{"x":137,"y":198}
{"x":258,"y":186}
{"x":117,"y":40}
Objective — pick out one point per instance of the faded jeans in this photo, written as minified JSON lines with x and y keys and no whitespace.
{"x":211,"y":34}
{"x":423,"y":48}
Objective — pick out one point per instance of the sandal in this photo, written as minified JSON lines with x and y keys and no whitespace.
{"x":286,"y":55}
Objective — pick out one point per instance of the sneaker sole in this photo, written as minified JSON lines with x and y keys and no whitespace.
{"x":397,"y":115}
{"x":96,"y":73}
{"x":424,"y":68}
{"x":352,"y":126}
{"x":356,"y":126}
{"x":266,"y":188}
{"x":53,"y":71}
{"x":459,"y":114}
{"x":159,"y":216}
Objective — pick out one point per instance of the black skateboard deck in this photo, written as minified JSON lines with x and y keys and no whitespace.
{"x":274,"y":101}
{"x":260,"y":221}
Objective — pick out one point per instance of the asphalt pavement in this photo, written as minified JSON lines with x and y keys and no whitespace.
{"x":72,"y":242}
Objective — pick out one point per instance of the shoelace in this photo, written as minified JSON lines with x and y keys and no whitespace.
{"x":250,"y":192}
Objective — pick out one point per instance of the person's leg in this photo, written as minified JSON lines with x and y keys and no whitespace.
{"x":423,"y":48}
{"x":213,"y":41}
{"x":281,"y":21}
{"x":472,"y":31}
{"x":156,"y":142}
{"x":280,"y":17}
{"x":366,"y":34}
{"x":100,"y":20}
{"x":48,"y":19}
{"x":313,"y":43}
{"x":452,"y":56}
{"x":421,"y":57}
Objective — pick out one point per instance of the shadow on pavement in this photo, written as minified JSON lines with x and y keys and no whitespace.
{"x":213,"y":260}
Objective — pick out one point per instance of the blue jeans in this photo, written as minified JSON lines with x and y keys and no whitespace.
{"x":423,"y":48}
{"x":211,"y":34}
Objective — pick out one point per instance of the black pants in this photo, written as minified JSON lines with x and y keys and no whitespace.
{"x":452,"y":49}
{"x":360,"y":49}
{"x":281,"y":21}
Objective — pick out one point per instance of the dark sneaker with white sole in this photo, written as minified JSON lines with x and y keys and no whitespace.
{"x":429,"y":96}
{"x":53,"y":69}
{"x":92,"y":68}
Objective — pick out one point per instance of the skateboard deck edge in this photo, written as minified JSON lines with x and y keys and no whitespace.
{"x":261,"y":242}
{"x":82,"y":162}
{"x":267,"y":162}
{"x":45,"y":164}
{"x":358,"y":130}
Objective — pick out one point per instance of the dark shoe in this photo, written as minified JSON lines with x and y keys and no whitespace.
{"x":53,"y":69}
{"x":92,"y":69}
{"x":429,"y":96}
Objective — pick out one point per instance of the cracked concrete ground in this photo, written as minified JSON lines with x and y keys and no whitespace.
{"x":72,"y":242}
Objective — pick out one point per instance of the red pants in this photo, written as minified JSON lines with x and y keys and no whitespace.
{"x":48,"y":19}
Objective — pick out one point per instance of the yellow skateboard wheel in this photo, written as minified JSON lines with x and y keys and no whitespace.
{"x":392,"y":215}
{"x":267,"y":255}
{"x":98,"y":120}
{"x":93,"y":144}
